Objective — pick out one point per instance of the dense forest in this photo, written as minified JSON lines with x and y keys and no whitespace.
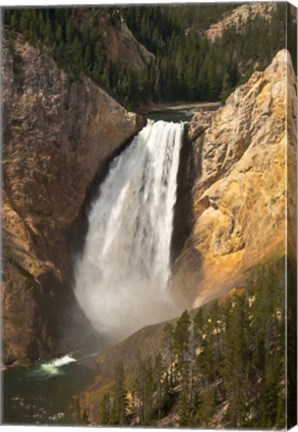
{"x":222,"y":366}
{"x":186,"y":67}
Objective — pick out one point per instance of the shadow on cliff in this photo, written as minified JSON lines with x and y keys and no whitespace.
{"x":83,"y":330}
{"x":183,"y":210}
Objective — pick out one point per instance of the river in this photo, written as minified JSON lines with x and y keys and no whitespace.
{"x":44,"y":393}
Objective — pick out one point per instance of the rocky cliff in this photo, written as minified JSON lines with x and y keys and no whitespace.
{"x":239,"y":194}
{"x":240,"y":17}
{"x":58,"y":137}
{"x":119,"y":42}
{"x":121,"y":45}
{"x":239,"y":156}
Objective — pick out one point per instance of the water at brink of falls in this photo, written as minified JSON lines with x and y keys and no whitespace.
{"x":122,"y":277}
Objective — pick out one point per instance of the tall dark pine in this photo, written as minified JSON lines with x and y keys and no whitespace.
{"x":119,"y":401}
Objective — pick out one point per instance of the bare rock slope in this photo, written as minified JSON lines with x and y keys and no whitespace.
{"x":120,"y":44}
{"x":239,"y":196}
{"x":239,"y":17}
{"x":57,"y":136}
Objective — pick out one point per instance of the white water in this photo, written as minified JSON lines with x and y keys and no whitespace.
{"x":122,"y":276}
{"x":51,"y":368}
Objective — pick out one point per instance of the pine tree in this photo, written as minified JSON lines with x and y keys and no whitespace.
{"x":168,"y":342}
{"x":158,"y":377}
{"x":104,"y":410}
{"x":143,"y":390}
{"x":235,"y":364}
{"x":183,"y":355}
{"x":117,"y":413}
{"x":59,"y":35}
{"x":206,"y":409}
{"x":181,"y":337}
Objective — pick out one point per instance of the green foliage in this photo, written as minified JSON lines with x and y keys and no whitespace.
{"x":226,"y":361}
{"x":114,"y":404}
{"x":187,"y":67}
{"x":105,"y":409}
{"x":181,"y":338}
{"x":236,"y":358}
{"x":143,"y":389}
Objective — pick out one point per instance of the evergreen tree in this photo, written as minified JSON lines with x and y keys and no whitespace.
{"x":168,"y":342}
{"x":187,"y":66}
{"x":143,"y":390}
{"x":104,"y":410}
{"x":225,"y":367}
{"x":236,"y":362}
{"x":117,"y":414}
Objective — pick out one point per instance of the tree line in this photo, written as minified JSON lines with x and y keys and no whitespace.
{"x":187,"y":67}
{"x":223,"y":366}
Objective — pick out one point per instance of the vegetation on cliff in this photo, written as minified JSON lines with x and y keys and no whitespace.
{"x":186,"y":65}
{"x":223,"y":366}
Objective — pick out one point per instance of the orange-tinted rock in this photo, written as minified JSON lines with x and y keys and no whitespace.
{"x":240,"y":194}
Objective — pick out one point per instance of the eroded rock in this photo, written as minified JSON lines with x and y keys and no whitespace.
{"x":58,"y":135}
{"x":239,"y":196}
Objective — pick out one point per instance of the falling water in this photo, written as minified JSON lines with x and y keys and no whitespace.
{"x":122,"y":277}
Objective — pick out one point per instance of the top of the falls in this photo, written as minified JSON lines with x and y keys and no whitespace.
{"x":122,"y":277}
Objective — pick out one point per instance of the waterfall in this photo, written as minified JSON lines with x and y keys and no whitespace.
{"x":122,"y":277}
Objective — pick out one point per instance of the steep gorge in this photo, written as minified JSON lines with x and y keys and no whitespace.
{"x":58,"y":137}
{"x":239,"y":200}
{"x":65,"y":140}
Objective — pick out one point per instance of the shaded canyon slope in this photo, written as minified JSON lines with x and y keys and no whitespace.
{"x":238,"y":155}
{"x":121,"y":45}
{"x":58,"y":136}
{"x":239,"y":194}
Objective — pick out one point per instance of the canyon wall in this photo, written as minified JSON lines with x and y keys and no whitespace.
{"x":233,"y":182}
{"x":58,"y":136}
{"x":239,"y":194}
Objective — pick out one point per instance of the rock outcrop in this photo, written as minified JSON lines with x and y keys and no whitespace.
{"x":58,"y":136}
{"x":239,"y":18}
{"x":120,"y":44}
{"x":239,"y":196}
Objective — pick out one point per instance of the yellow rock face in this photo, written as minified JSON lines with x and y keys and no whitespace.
{"x":240,"y":195}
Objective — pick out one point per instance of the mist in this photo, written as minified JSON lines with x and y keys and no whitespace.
{"x":122,"y":277}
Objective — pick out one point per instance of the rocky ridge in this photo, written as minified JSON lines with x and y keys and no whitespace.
{"x":239,"y":195}
{"x":121,"y":45}
{"x":58,"y":136}
{"x":239,"y":17}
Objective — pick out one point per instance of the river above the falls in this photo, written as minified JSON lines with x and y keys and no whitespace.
{"x":180,"y":112}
